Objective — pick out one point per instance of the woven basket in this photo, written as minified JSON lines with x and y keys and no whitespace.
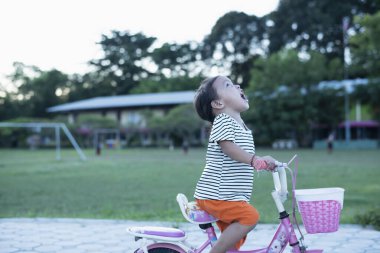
{"x":320,"y":209}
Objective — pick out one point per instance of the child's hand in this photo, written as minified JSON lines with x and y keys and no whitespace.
{"x":259,"y":164}
{"x":263,"y":163}
{"x":271,"y":162}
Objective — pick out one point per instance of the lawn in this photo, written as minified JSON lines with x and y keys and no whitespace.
{"x":142,"y":184}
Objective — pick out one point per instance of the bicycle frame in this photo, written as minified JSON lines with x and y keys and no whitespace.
{"x":284,"y":235}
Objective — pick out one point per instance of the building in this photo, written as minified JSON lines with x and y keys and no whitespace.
{"x":359,"y":131}
{"x":364,"y":134}
{"x":127,"y":112}
{"x":126,"y":109}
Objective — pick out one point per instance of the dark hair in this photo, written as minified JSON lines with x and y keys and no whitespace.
{"x":203,"y":98}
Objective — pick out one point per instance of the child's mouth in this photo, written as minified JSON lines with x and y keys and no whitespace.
{"x":243,"y":96}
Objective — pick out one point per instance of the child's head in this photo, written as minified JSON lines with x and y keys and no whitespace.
{"x":203,"y":98}
{"x":218,"y":94}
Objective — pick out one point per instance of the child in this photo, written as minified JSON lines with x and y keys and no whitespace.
{"x":225,"y":186}
{"x":330,"y":143}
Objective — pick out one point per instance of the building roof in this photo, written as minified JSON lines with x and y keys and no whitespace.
{"x":363,"y":123}
{"x":127,"y":101}
{"x":348,"y":84}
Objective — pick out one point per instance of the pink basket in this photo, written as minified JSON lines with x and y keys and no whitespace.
{"x":320,"y":216}
{"x":320,"y":208}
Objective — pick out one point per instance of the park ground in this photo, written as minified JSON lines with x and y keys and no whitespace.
{"x":141,"y":184}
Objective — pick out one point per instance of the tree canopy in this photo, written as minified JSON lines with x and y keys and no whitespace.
{"x":365,"y":46}
{"x":284,"y":89}
{"x":122,"y":66}
{"x":366,"y":60}
{"x":315,"y":24}
{"x":37,"y":90}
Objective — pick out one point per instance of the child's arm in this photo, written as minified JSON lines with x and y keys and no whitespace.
{"x":238,"y":154}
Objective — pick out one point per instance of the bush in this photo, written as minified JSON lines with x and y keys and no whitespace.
{"x":370,"y":218}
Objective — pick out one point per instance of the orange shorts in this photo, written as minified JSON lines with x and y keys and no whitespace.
{"x":229,"y":212}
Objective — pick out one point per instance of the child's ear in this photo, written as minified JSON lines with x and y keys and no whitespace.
{"x":217,"y":104}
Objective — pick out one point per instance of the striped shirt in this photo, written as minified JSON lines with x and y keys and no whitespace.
{"x":222,"y":177}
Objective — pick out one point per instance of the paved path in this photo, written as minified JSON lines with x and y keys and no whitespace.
{"x":82,"y":235}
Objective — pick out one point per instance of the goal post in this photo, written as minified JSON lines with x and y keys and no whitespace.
{"x":57,"y":127}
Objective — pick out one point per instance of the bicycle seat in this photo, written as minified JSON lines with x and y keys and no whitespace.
{"x":192,"y":213}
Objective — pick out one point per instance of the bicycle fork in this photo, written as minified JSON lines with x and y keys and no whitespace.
{"x":284,"y":235}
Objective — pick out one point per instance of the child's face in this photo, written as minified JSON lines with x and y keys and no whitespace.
{"x":230,"y":96}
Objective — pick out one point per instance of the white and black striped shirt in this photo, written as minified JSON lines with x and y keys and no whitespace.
{"x":222,"y":177}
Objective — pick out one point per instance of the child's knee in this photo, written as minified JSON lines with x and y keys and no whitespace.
{"x":253,"y":222}
{"x":252,"y":226}
{"x":254,"y":217}
{"x":250,"y":218}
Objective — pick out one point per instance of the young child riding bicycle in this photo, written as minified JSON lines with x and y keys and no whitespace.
{"x":225,"y":187}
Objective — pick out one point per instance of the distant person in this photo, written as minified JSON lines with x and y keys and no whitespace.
{"x":98,"y":149}
{"x":225,"y":187}
{"x":185,"y":146}
{"x":330,"y":143}
{"x":33,"y":141}
{"x":171,"y":145}
{"x":14,"y":142}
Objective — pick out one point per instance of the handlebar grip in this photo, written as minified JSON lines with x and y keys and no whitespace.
{"x":280,"y":164}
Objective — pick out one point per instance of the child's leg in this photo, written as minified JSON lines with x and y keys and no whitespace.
{"x":230,"y":237}
{"x":236,"y":219}
{"x":223,"y":226}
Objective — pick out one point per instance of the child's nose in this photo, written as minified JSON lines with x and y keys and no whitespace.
{"x":237,"y":86}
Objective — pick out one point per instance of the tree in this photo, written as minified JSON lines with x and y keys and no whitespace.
{"x":123,"y":64}
{"x":176,"y":60}
{"x":183,"y":120}
{"x":8,"y":108}
{"x":291,"y":69}
{"x":86,"y":86}
{"x":315,"y":24}
{"x":286,"y":99}
{"x":164,"y":84}
{"x":369,"y":95}
{"x":293,"y":114}
{"x":180,"y":123}
{"x":234,"y":41}
{"x":365,"y":46}
{"x":36,"y":90}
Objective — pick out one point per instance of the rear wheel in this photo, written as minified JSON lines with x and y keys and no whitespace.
{"x":163,"y":250}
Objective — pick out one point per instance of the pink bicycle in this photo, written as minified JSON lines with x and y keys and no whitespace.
{"x":319,"y":208}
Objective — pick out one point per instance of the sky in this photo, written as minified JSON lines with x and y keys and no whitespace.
{"x":62,"y":34}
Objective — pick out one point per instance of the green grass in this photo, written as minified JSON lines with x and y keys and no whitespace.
{"x":142,"y":184}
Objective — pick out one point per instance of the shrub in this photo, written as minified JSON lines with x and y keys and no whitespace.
{"x":371,"y":217}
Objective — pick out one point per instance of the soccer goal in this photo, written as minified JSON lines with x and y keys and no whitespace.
{"x":58,"y":127}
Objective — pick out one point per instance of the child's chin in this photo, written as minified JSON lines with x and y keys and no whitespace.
{"x":245,"y":108}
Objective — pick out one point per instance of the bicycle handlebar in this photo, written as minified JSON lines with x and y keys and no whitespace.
{"x":280,"y":180}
